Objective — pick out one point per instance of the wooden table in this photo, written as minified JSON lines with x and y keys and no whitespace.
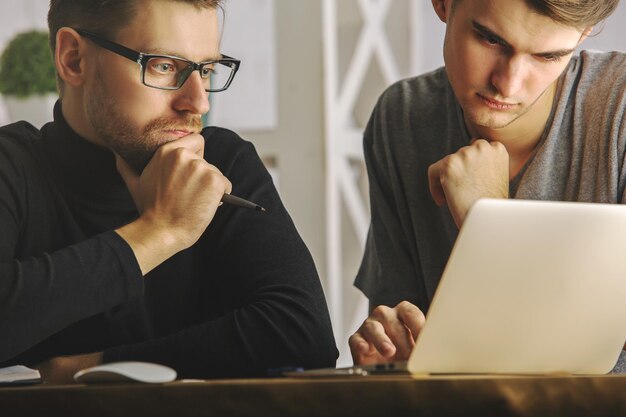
{"x":395,"y":396}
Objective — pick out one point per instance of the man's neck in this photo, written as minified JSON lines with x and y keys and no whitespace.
{"x":74,"y":114}
{"x":523,"y":135}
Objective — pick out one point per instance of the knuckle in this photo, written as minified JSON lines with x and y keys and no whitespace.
{"x":454,"y":164}
{"x":380,"y":311}
{"x":371,"y":329}
{"x":405,"y":305}
{"x":354,"y":339}
{"x":467,"y":152}
{"x":408,"y":308}
{"x":196,"y":170}
{"x":418,"y":316}
{"x":178,"y":154}
{"x":369,"y":324}
{"x":499,"y":148}
{"x":199,"y":164}
{"x":445,"y":164}
{"x":161,"y":151}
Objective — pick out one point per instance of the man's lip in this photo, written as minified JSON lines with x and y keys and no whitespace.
{"x":495,"y":104}
{"x":179,"y":132}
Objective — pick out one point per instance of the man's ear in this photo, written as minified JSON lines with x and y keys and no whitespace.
{"x":69,"y":56}
{"x":585,"y":34}
{"x":442,"y":8}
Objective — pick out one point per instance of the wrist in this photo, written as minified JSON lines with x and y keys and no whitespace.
{"x":151,"y":243}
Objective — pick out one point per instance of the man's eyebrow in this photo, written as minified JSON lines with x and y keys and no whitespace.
{"x":557,"y":53}
{"x":490,"y":34}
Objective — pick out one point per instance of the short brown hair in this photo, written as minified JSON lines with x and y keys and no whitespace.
{"x":580,"y":14}
{"x":104,"y":17}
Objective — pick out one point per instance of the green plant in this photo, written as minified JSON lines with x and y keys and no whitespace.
{"x":26,"y":66}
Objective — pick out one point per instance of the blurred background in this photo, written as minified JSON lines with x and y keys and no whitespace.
{"x":311,"y":73}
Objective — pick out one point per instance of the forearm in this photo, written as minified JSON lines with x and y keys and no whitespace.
{"x":243,"y":343}
{"x":42,"y":295}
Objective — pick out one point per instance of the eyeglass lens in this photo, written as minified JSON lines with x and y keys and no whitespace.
{"x":171,"y":73}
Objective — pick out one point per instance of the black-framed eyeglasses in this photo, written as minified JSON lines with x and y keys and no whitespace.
{"x":167,"y":72}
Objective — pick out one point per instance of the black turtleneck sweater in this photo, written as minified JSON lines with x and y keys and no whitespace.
{"x":244,"y":299}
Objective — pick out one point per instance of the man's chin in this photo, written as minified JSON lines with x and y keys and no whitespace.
{"x":491,"y":121}
{"x":137,"y":156}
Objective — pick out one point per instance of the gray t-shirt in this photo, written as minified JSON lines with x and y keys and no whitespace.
{"x":418,"y":121}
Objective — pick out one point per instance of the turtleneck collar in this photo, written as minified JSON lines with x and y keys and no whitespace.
{"x":81,"y":163}
{"x":86,"y":172}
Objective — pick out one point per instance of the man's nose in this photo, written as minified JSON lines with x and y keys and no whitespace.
{"x":509,"y":76}
{"x":192,"y":96}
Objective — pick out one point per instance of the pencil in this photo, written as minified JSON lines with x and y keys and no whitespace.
{"x":238,"y":201}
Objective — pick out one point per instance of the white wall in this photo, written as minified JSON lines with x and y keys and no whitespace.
{"x":20,"y":15}
{"x":17,"y":16}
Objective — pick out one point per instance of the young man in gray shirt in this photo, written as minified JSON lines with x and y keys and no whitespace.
{"x":511,"y":115}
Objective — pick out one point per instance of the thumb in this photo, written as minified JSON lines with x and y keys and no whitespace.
{"x":434,"y":184}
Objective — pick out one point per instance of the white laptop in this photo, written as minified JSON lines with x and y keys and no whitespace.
{"x":530,"y":287}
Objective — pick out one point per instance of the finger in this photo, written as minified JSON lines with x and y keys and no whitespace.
{"x":363,"y":353}
{"x":214,"y":168}
{"x":374,"y":333}
{"x":500,"y":149}
{"x":193,"y":142}
{"x":227,"y":185}
{"x":434,"y":184}
{"x":358,"y":346}
{"x":412,"y":317}
{"x":396,"y":330}
{"x":474,"y":140}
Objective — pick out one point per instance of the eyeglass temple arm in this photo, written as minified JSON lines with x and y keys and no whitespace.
{"x":112,"y":46}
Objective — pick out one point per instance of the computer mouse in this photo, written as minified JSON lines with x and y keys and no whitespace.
{"x":116,"y":372}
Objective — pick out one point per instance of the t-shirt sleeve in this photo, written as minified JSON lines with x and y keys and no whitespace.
{"x":274,"y":314}
{"x":387,"y":274}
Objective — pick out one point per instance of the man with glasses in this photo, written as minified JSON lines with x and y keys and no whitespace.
{"x":115,"y":244}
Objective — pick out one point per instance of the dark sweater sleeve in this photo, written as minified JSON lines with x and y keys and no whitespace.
{"x":42,"y":295}
{"x":275,"y":313}
{"x":50,"y":290}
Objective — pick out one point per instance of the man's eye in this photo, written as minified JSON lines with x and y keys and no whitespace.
{"x":163,"y":67}
{"x":208,"y":71}
{"x":552,"y":58}
{"x":489,"y":39}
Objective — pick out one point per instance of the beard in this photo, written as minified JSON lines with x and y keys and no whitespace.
{"x":136,"y":145}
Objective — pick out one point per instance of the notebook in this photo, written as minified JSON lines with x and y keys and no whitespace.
{"x":530,"y":287}
{"x":19,"y":375}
